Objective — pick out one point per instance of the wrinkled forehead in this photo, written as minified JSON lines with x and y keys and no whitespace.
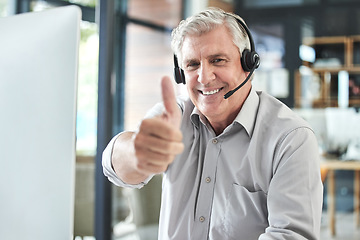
{"x":194,"y":40}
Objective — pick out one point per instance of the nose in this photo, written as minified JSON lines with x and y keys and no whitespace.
{"x":205,"y":74}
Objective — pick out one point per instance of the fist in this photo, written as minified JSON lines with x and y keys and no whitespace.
{"x":159,"y":139}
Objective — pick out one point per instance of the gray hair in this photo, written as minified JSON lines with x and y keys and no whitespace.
{"x":205,"y":22}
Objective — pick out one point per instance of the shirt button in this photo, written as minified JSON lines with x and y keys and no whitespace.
{"x":215,"y":141}
{"x":208,"y":179}
{"x":201,"y":219}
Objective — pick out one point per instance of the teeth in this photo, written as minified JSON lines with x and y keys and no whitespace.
{"x":211,"y":92}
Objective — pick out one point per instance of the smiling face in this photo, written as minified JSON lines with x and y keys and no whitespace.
{"x":211,"y":63}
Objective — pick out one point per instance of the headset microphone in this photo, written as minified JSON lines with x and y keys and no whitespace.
{"x":229,"y":93}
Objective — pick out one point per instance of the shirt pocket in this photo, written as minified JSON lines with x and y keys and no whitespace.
{"x":245,"y":214}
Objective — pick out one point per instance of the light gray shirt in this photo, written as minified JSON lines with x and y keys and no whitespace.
{"x":259,"y":179}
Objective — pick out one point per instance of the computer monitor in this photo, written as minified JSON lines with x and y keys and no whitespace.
{"x":38,"y":89}
{"x":342,"y":125}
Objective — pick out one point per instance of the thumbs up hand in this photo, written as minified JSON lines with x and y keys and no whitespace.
{"x":159,"y":139}
{"x":172,"y":112}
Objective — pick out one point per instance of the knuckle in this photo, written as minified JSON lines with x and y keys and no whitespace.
{"x":160,"y":168}
{"x":139,"y":140}
{"x":171,"y":133}
{"x":180,"y":148}
{"x":177,"y":147}
{"x":168,"y":159}
{"x":140,"y":165}
{"x":144,"y":125}
{"x":163,"y":168}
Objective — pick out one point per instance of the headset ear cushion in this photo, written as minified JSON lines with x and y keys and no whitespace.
{"x":246,"y":60}
{"x":250,"y":60}
{"x":179,"y":75}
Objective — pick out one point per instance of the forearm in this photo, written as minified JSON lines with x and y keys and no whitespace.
{"x":123,"y":160}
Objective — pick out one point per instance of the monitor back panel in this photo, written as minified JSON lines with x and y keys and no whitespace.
{"x":38,"y":85}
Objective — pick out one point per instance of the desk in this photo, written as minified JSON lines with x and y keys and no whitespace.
{"x":332,"y":164}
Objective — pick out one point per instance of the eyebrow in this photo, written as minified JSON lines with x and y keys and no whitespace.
{"x":223,"y":55}
{"x":212,"y":56}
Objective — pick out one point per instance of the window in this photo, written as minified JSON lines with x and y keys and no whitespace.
{"x":148,"y":55}
{"x":278,"y":3}
{"x":5,"y":8}
{"x":86,"y":122}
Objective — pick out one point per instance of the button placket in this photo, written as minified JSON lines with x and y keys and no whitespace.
{"x":206,"y":191}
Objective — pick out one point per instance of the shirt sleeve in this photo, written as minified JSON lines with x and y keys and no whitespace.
{"x":295,"y":192}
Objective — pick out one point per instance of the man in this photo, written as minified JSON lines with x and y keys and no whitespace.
{"x":244,"y":167}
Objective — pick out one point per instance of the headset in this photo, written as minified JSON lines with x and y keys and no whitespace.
{"x":250,"y":60}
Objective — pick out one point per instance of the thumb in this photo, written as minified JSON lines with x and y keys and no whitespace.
{"x":172,"y":111}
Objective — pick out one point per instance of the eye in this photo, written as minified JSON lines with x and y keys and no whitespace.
{"x":218,"y":61}
{"x":192,"y":65}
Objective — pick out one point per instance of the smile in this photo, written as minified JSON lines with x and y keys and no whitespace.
{"x":207,"y":93}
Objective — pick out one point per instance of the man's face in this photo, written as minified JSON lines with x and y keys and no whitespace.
{"x":211,"y":63}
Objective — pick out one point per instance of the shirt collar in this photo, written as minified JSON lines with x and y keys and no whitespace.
{"x":248,"y":112}
{"x":196,"y":117}
{"x":246,"y":116}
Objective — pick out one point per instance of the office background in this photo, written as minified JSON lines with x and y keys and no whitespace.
{"x":125,"y":49}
